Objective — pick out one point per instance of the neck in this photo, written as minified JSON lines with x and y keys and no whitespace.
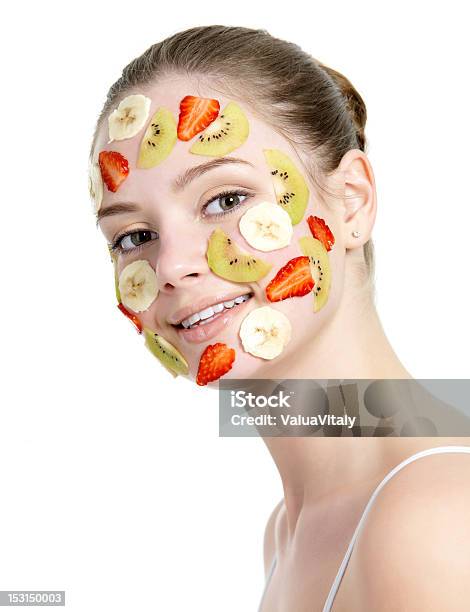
{"x":312,"y":468}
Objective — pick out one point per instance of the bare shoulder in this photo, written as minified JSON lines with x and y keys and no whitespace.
{"x":413,"y":551}
{"x":269,"y":537}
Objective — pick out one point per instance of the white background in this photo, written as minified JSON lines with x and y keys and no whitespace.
{"x":114,"y":483}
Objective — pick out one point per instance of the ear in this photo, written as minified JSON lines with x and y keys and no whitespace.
{"x":360,"y":198}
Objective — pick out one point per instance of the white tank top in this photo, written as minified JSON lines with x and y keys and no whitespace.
{"x":344,"y":563}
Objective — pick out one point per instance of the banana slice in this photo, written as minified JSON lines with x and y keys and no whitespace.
{"x":266,"y":226}
{"x":129,"y":117}
{"x":95,"y":185}
{"x":265,"y":332}
{"x":138,"y":285}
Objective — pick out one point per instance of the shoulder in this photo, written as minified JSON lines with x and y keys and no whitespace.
{"x":413,"y":551}
{"x":269,"y":537}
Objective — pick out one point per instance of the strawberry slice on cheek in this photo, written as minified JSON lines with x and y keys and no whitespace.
{"x":321,"y":231}
{"x":292,"y":280}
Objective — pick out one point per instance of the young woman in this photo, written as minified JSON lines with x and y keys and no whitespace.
{"x":229,"y":176}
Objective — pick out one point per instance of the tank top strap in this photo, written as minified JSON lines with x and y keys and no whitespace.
{"x":268,"y":579}
{"x":344,"y":563}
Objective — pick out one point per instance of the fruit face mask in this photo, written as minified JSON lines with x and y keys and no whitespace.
{"x":222,"y":255}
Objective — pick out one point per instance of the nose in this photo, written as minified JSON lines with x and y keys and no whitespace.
{"x":181,"y":262}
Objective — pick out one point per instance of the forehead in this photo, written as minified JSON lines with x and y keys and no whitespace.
{"x":168,"y":94}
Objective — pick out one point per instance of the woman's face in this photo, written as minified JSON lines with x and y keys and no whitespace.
{"x":166,"y":217}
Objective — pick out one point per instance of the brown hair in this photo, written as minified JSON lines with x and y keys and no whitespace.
{"x":310,"y":104}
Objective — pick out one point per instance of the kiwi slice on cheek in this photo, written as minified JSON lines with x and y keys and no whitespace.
{"x":225,"y":134}
{"x":227,"y":260}
{"x":166,"y":353}
{"x":159,"y":139}
{"x":291,"y":190}
{"x":320,"y":269}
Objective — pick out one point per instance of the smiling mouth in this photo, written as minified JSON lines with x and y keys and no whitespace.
{"x":205,"y":316}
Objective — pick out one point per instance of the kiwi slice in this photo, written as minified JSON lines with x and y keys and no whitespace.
{"x":290,"y":187}
{"x":225,"y":134}
{"x":159,"y":139}
{"x":320,"y":269}
{"x":166,"y":353}
{"x":227,"y":260}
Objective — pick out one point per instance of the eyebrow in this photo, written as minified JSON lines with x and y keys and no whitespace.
{"x":179,"y":184}
{"x":192,"y":173}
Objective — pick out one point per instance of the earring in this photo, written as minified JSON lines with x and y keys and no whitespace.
{"x":356,"y":234}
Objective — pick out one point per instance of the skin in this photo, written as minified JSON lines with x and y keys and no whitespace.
{"x":326,"y":481}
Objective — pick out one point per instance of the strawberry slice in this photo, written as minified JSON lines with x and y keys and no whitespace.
{"x":321,"y":231}
{"x":130,"y":316}
{"x":216,"y":360}
{"x":114,"y":168}
{"x":293,"y":280}
{"x":195,"y":115}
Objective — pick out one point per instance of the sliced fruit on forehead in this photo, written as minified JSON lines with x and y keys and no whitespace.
{"x":138,"y":286}
{"x":225,"y":134}
{"x":227,"y":260}
{"x":129,"y":117}
{"x":293,"y":280}
{"x":158,"y":140}
{"x":216,"y":360}
{"x":266,"y":227}
{"x":321,"y":231}
{"x":165,"y":352}
{"x":320,"y":269}
{"x":132,"y":317}
{"x":265,"y":332}
{"x":290,"y":187}
{"x":114,"y":169}
{"x":195,"y":115}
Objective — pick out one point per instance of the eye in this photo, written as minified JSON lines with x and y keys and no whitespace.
{"x":224,"y":203}
{"x":132,"y":240}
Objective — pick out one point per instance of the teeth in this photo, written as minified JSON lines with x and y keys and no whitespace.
{"x":129,"y":117}
{"x":209,"y":312}
{"x":266,"y":226}
{"x":193,"y":319}
{"x":205,"y":314}
{"x":138,"y":285}
{"x":265,"y":332}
